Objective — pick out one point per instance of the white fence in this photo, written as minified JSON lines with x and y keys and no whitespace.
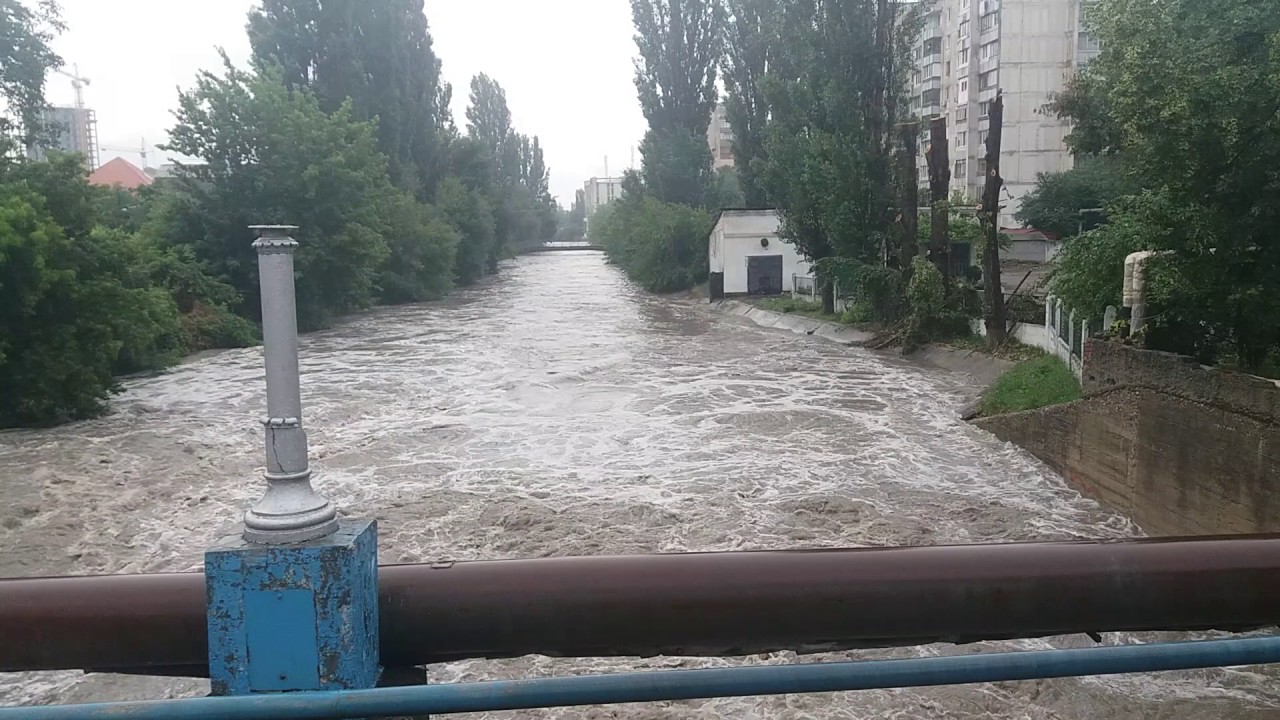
{"x":803,"y":287}
{"x":1063,"y":333}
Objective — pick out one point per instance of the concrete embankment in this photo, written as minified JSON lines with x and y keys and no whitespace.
{"x":983,"y":369}
{"x":1181,"y":448}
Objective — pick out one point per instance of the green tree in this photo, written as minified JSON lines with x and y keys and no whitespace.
{"x":1184,"y":92}
{"x":269,"y":155}
{"x":489,"y":119}
{"x":26,"y":58}
{"x":749,"y":44}
{"x":76,"y":305}
{"x":1056,"y":202}
{"x":376,"y":55}
{"x":661,"y":246}
{"x":833,"y":91}
{"x":422,"y":244}
{"x":468,"y":210}
{"x":679,"y":43}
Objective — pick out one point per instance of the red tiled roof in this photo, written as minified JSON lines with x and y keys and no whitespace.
{"x":120,"y":172}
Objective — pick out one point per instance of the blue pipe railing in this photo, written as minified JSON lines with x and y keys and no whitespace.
{"x":680,"y":684}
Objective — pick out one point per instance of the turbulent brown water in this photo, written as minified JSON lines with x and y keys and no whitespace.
{"x":561,"y":411}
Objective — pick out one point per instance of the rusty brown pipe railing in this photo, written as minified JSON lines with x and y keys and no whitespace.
{"x":693,"y":604}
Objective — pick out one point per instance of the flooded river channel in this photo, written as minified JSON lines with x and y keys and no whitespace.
{"x":558,"y":410}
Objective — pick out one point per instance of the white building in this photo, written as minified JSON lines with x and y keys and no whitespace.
{"x":1027,"y":48}
{"x":720,"y":138}
{"x":746,"y":254}
{"x":598,"y":192}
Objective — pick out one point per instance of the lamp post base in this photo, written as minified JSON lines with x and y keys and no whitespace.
{"x":294,"y":617}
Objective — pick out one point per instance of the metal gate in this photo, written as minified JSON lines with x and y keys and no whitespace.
{"x":764,"y":275}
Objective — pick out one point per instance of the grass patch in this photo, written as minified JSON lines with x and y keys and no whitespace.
{"x":1031,"y":384}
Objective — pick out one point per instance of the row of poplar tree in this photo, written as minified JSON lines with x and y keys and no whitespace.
{"x":340,"y":125}
{"x":1175,"y":136}
{"x":817,"y":95}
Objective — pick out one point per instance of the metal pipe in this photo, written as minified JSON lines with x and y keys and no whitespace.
{"x":695,"y":604}
{"x":291,"y":511}
{"x":680,"y":684}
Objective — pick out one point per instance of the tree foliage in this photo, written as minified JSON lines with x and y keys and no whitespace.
{"x":376,"y":55}
{"x":679,"y":44}
{"x":27,"y":30}
{"x":79,"y":301}
{"x":1185,"y":93}
{"x":1056,"y":203}
{"x":749,"y":44}
{"x":662,"y":246}
{"x":270,"y":154}
{"x":834,"y":91}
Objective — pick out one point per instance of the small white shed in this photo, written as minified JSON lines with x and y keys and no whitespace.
{"x":749,"y":258}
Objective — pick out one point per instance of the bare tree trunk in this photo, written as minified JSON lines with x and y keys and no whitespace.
{"x":939,"y":157}
{"x":908,"y":249}
{"x":995,"y":315}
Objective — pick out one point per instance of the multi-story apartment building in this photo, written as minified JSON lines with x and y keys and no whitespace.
{"x":720,"y":138}
{"x":1029,"y":49}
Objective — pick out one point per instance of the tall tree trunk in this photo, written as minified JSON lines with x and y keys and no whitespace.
{"x":829,"y":296}
{"x":910,"y":204}
{"x":996,"y":326}
{"x":939,"y":158}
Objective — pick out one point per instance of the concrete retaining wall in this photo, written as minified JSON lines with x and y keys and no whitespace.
{"x":1182,"y":449}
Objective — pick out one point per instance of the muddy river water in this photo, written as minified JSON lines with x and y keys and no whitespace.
{"x":558,"y":410}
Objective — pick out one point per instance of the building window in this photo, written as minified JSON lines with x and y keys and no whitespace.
{"x":989,"y":22}
{"x":962,"y":115}
{"x":988,"y":80}
{"x":961,"y":169}
{"x":964,"y":57}
{"x":948,"y":71}
{"x":933,"y":46}
{"x":964,"y":28}
{"x":1089,"y":43}
{"x":931,"y":97}
{"x":982,"y":136}
{"x":984,"y":107}
{"x":982,"y":167}
{"x":962,"y":139}
{"x":990,"y":50}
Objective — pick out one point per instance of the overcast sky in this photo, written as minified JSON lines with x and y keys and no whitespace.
{"x":565,"y":64}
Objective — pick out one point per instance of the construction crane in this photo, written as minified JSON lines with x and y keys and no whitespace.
{"x":78,"y":82}
{"x":141,"y":149}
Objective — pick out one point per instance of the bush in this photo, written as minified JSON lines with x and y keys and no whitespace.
{"x":1038,"y":382}
{"x":875,"y":290}
{"x":662,"y":246}
{"x":73,"y":311}
{"x":214,"y":326}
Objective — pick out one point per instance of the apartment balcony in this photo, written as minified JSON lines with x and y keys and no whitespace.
{"x":928,"y":111}
{"x":989,"y":63}
{"x":933,"y":58}
{"x":988,"y":94}
{"x":930,"y":84}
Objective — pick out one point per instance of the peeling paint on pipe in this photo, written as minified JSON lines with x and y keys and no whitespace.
{"x":693,"y":604}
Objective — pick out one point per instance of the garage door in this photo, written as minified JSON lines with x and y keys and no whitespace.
{"x":764,"y":275}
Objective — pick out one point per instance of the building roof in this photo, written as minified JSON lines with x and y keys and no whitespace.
{"x":120,"y":173}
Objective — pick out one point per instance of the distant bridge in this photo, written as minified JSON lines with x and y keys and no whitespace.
{"x":563,"y":247}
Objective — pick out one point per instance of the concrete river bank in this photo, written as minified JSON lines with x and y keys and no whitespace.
{"x":559,"y":411}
